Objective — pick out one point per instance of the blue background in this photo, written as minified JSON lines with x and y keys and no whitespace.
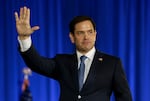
{"x":123,"y":28}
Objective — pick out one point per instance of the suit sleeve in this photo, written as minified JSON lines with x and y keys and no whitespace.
{"x":39,"y":64}
{"x":120,"y":84}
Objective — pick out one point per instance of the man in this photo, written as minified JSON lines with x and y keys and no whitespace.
{"x":93,"y":78}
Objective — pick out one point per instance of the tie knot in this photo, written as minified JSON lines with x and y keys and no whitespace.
{"x":82,"y":58}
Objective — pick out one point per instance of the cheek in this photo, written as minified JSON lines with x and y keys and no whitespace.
{"x":78,"y":42}
{"x":94,"y":38}
{"x":77,"y":39}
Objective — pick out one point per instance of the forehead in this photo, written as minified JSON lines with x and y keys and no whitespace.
{"x":84,"y":25}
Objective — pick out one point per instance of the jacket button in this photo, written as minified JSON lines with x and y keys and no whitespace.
{"x":79,"y":96}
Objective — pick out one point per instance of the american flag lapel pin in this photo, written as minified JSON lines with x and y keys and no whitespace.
{"x":100,"y":59}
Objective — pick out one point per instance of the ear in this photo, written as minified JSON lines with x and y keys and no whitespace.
{"x":95,"y":32}
{"x":71,"y":36}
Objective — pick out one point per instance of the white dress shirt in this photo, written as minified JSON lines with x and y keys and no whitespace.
{"x":25,"y":44}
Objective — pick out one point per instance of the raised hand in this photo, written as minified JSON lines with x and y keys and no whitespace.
{"x":23,"y":26}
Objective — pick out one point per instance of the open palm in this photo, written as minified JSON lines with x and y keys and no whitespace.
{"x":23,"y":22}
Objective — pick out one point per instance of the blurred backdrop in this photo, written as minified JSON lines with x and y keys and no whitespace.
{"x":123,"y":30}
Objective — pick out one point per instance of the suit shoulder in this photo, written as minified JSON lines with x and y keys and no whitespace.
{"x":63,"y":56}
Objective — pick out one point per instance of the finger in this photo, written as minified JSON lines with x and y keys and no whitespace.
{"x":29,"y":32}
{"x":16,"y":16}
{"x":24,"y":12}
{"x":28,"y":14}
{"x":21,"y":13}
{"x":35,"y":28}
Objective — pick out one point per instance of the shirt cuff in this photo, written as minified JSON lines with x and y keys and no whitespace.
{"x":25,"y":44}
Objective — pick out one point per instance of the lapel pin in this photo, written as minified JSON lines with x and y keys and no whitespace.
{"x":100,"y":59}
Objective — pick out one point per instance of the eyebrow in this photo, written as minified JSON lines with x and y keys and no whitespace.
{"x":84,"y":31}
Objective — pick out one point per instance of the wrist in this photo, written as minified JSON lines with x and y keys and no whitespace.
{"x":23,"y":37}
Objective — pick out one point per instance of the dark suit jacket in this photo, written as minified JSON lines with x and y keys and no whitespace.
{"x":106,"y":75}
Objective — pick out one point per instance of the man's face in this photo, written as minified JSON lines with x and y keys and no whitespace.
{"x":84,"y":36}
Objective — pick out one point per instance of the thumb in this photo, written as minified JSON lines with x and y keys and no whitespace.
{"x":35,"y":28}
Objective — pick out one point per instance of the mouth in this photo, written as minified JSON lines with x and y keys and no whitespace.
{"x":86,"y":42}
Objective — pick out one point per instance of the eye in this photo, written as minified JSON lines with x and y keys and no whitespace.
{"x":90,"y":32}
{"x":80,"y":32}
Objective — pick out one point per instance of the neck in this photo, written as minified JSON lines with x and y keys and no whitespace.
{"x":83,"y":52}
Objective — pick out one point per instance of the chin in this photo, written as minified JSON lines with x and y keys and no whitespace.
{"x":85,"y":50}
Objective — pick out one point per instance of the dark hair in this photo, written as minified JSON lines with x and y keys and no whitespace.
{"x":79,"y":19}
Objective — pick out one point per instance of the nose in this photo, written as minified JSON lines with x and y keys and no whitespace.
{"x":86,"y":35}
